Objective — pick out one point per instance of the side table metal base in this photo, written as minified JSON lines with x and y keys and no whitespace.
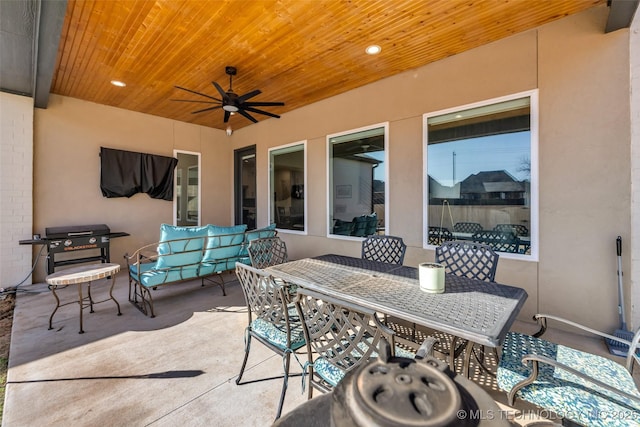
{"x":78,"y":276}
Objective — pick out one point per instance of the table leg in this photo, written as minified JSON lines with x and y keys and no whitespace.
{"x":113,"y":282}
{"x":467,"y":359}
{"x":53,"y":290}
{"x":90,"y":299}
{"x":80,"y":304}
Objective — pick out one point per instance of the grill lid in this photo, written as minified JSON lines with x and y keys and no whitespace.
{"x":77,"y":230}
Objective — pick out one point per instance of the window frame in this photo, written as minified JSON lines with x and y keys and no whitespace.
{"x":535,"y":179}
{"x":271,"y":202}
{"x":329,"y":220}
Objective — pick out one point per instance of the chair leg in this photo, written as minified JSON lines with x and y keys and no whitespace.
{"x":287,"y":361}
{"x":246,"y":357}
{"x":310,"y":392}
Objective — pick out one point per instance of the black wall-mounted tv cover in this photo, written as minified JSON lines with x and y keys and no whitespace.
{"x":125,"y":173}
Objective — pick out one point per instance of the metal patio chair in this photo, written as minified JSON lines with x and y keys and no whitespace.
{"x":585,"y":388}
{"x":267,"y":251}
{"x":503,"y":241}
{"x":271,"y":321}
{"x":439,"y":235}
{"x":387,"y":249}
{"x":517,"y":229}
{"x":340,"y":336}
{"x":468,"y":259}
{"x":467,"y":227}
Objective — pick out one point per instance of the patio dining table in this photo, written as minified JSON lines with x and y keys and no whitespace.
{"x":478,"y":311}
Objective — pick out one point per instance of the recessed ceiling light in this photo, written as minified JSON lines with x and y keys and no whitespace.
{"x":374,"y":49}
{"x":118,"y":83}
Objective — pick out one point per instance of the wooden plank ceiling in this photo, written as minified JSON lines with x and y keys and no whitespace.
{"x":294,"y":51}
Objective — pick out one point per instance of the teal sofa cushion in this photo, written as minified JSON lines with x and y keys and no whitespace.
{"x":224,"y":243}
{"x":149,"y":275}
{"x":259,"y":233}
{"x":180,"y":246}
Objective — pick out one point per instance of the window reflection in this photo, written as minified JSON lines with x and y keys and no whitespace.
{"x":479,"y":176}
{"x":287,"y":186}
{"x":187,"y":188}
{"x":357,"y":179}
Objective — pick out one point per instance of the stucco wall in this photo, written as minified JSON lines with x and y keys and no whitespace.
{"x":634,"y":277}
{"x":582,"y":77}
{"x":68,"y":137}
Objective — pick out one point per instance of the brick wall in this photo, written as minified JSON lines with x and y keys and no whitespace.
{"x":16,"y":187}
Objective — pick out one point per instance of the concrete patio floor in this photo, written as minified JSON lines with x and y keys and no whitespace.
{"x":178,"y":368}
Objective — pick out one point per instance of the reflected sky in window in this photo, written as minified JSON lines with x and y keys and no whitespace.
{"x":452,"y":162}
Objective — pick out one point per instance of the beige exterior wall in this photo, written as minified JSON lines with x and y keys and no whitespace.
{"x":634,"y":277}
{"x":68,"y":137}
{"x":582,"y":78}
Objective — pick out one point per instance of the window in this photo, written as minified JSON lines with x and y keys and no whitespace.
{"x":357,"y":181}
{"x":481,"y":175}
{"x":287,"y":183}
{"x":186,"y":199}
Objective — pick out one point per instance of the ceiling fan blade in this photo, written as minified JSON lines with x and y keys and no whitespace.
{"x":219,"y":88}
{"x":266,"y":113}
{"x":194,"y":100}
{"x":249,"y":95}
{"x":207,"y":109}
{"x":264,"y":104}
{"x":226,"y":116}
{"x":197,"y":93}
{"x":244,"y":113}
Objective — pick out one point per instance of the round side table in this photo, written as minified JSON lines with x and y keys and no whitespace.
{"x":79,"y":275}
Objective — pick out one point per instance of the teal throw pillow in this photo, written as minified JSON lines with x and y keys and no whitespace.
{"x":180,"y":246}
{"x":259,"y":233}
{"x":224,"y":243}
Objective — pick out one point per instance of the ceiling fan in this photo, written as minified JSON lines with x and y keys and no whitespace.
{"x":231,"y":102}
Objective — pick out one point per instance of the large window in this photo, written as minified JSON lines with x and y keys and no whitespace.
{"x":357,"y":181}
{"x":481,"y":175}
{"x":287,"y":183}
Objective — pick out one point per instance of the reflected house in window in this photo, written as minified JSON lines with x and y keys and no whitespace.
{"x":481,"y":161}
{"x":483,"y":188}
{"x":494,"y":187}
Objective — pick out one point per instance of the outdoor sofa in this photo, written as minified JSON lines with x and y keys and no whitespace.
{"x":187,"y":253}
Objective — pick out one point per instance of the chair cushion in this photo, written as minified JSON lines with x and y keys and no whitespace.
{"x":278,"y":336}
{"x":149,"y":275}
{"x":259,"y":233}
{"x":180,"y":252}
{"x":333,"y":374}
{"x":564,"y":393}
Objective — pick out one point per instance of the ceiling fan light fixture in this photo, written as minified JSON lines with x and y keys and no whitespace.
{"x":230,"y":102}
{"x":374,"y":49}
